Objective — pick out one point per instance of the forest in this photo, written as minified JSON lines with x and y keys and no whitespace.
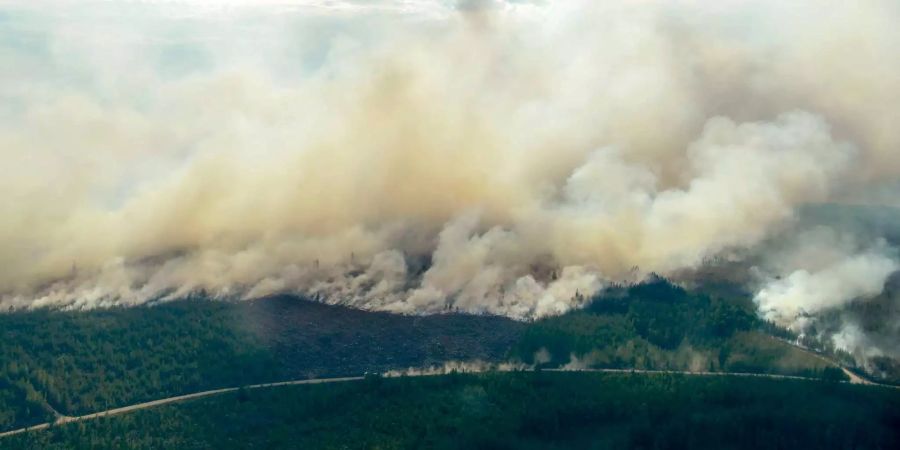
{"x":79,"y":362}
{"x":660,"y":326}
{"x":509,"y":410}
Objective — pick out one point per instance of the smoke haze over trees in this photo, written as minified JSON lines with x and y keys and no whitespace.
{"x":486,"y":156}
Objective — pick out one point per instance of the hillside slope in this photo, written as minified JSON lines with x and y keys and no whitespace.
{"x":74,"y":363}
{"x":81,"y":362}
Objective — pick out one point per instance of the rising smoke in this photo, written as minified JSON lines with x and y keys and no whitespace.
{"x":487,"y":156}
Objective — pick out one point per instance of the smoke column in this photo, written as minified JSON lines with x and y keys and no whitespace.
{"x":508,"y":157}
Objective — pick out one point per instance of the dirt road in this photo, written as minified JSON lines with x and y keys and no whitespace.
{"x":412,"y":373}
{"x":61,"y":419}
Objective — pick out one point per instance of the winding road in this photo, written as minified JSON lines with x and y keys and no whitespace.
{"x":62,"y":419}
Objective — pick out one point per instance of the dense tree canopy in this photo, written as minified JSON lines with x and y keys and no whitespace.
{"x":658,"y":325}
{"x":74,"y":363}
{"x":82,"y":362}
{"x":510,"y":410}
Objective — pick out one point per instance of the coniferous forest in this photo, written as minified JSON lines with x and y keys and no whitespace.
{"x":74,"y":363}
{"x":528,"y":410}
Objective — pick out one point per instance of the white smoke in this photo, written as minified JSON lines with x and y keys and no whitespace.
{"x":804,"y":293}
{"x":819,"y":270}
{"x":491,"y":156}
{"x":449,"y":367}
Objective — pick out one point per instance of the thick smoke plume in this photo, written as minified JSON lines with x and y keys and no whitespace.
{"x":486,"y":156}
